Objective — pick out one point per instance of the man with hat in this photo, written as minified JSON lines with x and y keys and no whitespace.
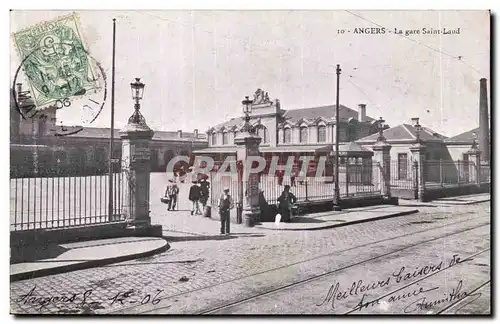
{"x":194,"y":197}
{"x":173,"y":192}
{"x":225,"y":205}
{"x":205,"y":192}
{"x":286,"y":201}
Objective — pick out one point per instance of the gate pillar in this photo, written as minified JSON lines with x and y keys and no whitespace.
{"x":382,"y":155}
{"x":136,"y":137}
{"x":418,"y":152}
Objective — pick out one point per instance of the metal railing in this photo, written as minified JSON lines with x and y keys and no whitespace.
{"x":445,"y":173}
{"x":403,"y":174}
{"x":43,"y":203}
{"x":355,"y":180}
{"x":485,"y":174}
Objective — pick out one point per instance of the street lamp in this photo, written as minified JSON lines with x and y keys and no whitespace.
{"x":247,"y":109}
{"x":137,"y":89}
{"x":417,"y":126}
{"x":474,"y":143}
{"x":381,"y":127}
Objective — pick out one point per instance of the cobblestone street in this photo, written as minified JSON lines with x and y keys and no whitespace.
{"x":196,"y":276}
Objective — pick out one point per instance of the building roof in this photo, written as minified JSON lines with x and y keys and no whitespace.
{"x":465,"y":136}
{"x":294,"y":115}
{"x":352,"y":147}
{"x":230,"y":149}
{"x":101,"y":132}
{"x":327,"y":112}
{"x":405,"y":132}
{"x":296,"y":148}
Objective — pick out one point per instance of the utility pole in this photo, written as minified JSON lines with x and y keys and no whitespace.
{"x":336,"y":198}
{"x":111,"y":146}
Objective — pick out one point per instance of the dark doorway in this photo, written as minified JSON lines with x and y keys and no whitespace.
{"x":402,"y":166}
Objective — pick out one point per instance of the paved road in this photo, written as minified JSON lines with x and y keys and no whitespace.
{"x":296,"y":269}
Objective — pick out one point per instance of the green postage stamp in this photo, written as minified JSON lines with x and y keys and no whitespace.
{"x":55,"y":61}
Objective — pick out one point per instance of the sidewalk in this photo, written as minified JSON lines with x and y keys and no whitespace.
{"x":345,"y":217}
{"x":449,"y":201}
{"x":464,"y":200}
{"x":180,"y":225}
{"x":58,"y":258}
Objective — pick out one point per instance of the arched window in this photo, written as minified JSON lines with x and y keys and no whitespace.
{"x":225,"y":138}
{"x":321,"y":133}
{"x":263,"y":133}
{"x":287,"y":135}
{"x":303,"y":134}
{"x":214,"y":139}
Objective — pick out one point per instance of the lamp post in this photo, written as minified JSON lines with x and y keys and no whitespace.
{"x":137,"y":89}
{"x":247,"y":109}
{"x":247,"y":143}
{"x":112,"y":128}
{"x":381,"y":127}
{"x":418,"y":127}
{"x":474,"y":143}
{"x":336,"y":198}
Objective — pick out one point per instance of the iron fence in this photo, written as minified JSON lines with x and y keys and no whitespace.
{"x":355,"y":180}
{"x":55,"y":202}
{"x":445,"y":173}
{"x":485,"y":173}
{"x":403,"y":174}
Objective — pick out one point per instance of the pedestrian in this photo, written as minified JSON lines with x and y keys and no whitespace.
{"x":173,"y":195}
{"x":166,"y":198}
{"x":286,"y":201}
{"x":194,"y":197}
{"x":205,"y":192}
{"x":225,"y":205}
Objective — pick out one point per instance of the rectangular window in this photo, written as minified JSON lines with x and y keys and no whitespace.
{"x":287,"y":135}
{"x":402,"y":166}
{"x":303,"y":135}
{"x":214,"y":139}
{"x":321,"y":134}
{"x":225,"y":138}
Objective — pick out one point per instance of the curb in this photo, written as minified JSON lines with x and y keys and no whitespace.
{"x":214,"y":237}
{"x":346,"y":223}
{"x":463,"y":204}
{"x":85,"y":264}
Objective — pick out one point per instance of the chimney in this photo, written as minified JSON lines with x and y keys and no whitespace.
{"x":195,"y":133}
{"x":484,"y":143}
{"x":179,"y":133}
{"x":362,"y":112}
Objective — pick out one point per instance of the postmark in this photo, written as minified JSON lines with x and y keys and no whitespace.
{"x":55,"y":61}
{"x":59,"y":73}
{"x":88,"y":107}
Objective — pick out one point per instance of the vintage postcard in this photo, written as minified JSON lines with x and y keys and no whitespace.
{"x":257,"y":162}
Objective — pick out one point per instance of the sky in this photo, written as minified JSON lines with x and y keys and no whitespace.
{"x":199,"y":65}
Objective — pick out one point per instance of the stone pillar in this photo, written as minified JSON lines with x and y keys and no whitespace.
{"x":136,"y":137}
{"x":418,"y":152}
{"x":475,"y":155}
{"x":382,"y":156}
{"x":248,"y":145}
